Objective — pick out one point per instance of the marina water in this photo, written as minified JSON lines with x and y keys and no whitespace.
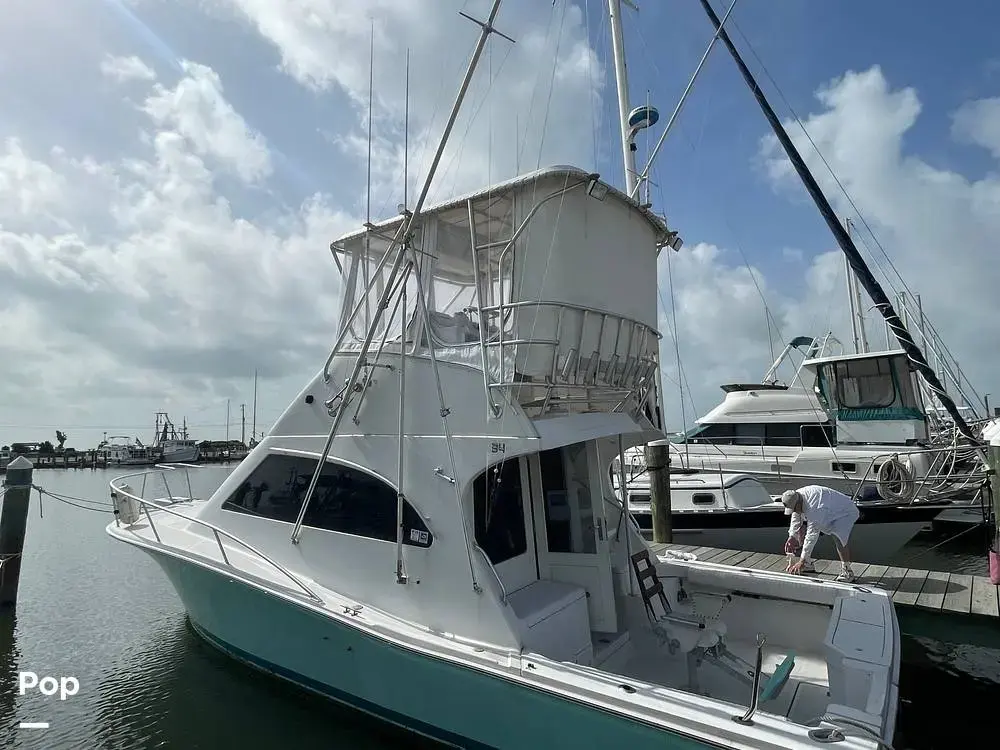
{"x":105,"y":614}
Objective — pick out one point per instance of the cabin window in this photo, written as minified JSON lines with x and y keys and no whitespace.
{"x":749,"y":434}
{"x":782,"y":433}
{"x":865,"y":384}
{"x":703,"y":498}
{"x":499,"y":511}
{"x":844,"y":467}
{"x":714,"y":433}
{"x":346,"y":500}
{"x":818,"y":435}
{"x":638,"y":498}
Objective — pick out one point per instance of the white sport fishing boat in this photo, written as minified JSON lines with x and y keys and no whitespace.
{"x":429,"y":533}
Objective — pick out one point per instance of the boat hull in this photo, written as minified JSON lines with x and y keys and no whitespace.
{"x":448,"y":702}
{"x":186,"y":455}
{"x":879,"y":534}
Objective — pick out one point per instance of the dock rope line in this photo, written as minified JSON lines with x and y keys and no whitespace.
{"x":77,"y":502}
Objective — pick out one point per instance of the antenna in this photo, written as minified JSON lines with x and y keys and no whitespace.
{"x":371,"y":89}
{"x":406,"y":128}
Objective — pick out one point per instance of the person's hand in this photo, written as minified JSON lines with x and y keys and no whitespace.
{"x":792,"y":546}
{"x":795,"y":568}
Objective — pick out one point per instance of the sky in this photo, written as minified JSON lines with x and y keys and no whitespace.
{"x":172,"y":173}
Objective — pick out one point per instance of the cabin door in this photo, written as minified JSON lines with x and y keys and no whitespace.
{"x":571,"y":529}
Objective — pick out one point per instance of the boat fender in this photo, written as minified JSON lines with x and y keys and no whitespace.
{"x":126,"y":507}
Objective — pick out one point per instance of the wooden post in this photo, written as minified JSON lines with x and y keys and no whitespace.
{"x":658,"y":468}
{"x":13,"y":521}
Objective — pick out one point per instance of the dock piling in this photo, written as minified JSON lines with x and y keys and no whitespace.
{"x":13,"y":522}
{"x":658,"y":467}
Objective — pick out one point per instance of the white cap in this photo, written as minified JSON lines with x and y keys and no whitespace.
{"x":789,"y":498}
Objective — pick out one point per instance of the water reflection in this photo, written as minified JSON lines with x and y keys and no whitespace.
{"x":180,"y":692}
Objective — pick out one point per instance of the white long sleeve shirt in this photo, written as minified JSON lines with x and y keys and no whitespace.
{"x":821,"y":509}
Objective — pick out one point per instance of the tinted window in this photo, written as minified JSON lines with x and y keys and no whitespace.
{"x":499,"y":512}
{"x":815,"y":435}
{"x":782,"y":433}
{"x":749,"y":434}
{"x":345,"y":500}
{"x":714,"y":433}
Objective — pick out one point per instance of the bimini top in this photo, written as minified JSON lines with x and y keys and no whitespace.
{"x":856,"y":357}
{"x":569,"y":172}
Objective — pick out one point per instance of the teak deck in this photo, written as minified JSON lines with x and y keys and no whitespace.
{"x":955,"y":593}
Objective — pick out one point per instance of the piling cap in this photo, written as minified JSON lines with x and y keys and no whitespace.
{"x":19,"y":463}
{"x":789,"y":498}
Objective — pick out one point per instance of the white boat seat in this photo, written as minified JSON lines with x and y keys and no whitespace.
{"x":554,"y":620}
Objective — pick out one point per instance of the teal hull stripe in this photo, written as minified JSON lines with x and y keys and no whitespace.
{"x":353,"y":701}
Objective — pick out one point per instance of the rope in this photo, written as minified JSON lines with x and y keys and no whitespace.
{"x":76,"y":502}
{"x":906,"y":562}
{"x":894,"y":481}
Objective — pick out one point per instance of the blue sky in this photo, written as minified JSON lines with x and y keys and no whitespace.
{"x":201,"y":154}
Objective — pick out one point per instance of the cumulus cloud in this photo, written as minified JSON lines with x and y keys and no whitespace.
{"x":124,"y":69}
{"x":197,"y":110}
{"x":937,"y":226}
{"x":530,"y":104}
{"x":150,"y":283}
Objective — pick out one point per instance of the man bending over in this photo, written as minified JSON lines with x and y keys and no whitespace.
{"x":823,"y":511}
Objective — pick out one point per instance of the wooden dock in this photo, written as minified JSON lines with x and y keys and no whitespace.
{"x":971,"y":598}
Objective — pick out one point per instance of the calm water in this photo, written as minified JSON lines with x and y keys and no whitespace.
{"x":104,"y":613}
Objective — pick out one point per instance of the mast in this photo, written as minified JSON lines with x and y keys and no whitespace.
{"x":621,"y":78}
{"x":849,"y":276}
{"x":858,"y":309}
{"x":864,"y":274}
{"x":253,"y":428}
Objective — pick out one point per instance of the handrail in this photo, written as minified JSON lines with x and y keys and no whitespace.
{"x":489,"y":564}
{"x":216,"y":531}
{"x":571,"y":306}
{"x":936,"y":452}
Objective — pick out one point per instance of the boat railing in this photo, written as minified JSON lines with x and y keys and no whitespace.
{"x":492,"y":567}
{"x":119,"y":488}
{"x":592,"y":356}
{"x":887,"y":470}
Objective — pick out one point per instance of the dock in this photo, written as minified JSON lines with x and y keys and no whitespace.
{"x":953,"y":607}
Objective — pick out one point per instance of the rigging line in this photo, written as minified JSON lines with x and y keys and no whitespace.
{"x":457,"y":155}
{"x":534,"y":88}
{"x":819,"y":413}
{"x":820,"y":154}
{"x":844,"y":240}
{"x":593,"y":84}
{"x":677,"y":343}
{"x":552,"y":79}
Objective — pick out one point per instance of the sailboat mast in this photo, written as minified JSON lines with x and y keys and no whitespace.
{"x":253,"y":426}
{"x":621,"y":78}
{"x":858,"y":309}
{"x":863,"y":273}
